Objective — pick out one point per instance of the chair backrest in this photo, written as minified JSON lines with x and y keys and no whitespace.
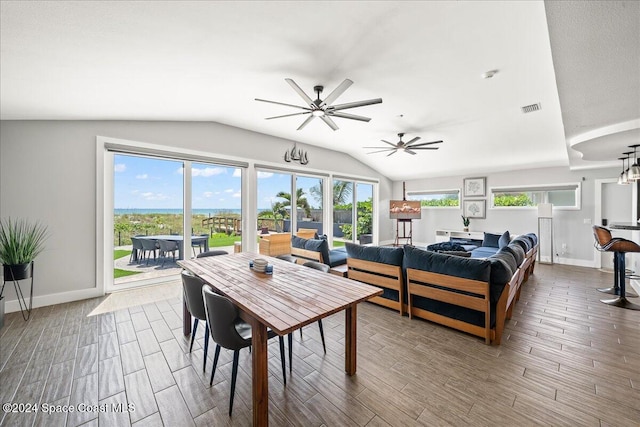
{"x":137,"y":243}
{"x":148,"y":244}
{"x":602,"y":236}
{"x":192,"y":290}
{"x":222,"y":317}
{"x":307,"y":233}
{"x":168,"y":245}
{"x":212,"y":253}
{"x":317,"y":266}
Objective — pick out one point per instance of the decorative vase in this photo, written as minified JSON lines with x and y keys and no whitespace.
{"x":17,"y":272}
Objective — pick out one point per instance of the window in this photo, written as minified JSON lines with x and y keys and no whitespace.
{"x":436,"y":198}
{"x":560,"y":195}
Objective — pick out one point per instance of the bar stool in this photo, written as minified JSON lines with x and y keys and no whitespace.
{"x":604,"y":243}
{"x":619,"y":247}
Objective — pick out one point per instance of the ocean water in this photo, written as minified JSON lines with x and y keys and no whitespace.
{"x":175,"y":211}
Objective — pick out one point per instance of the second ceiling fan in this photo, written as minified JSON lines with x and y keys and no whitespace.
{"x":407,"y":147}
{"x":324,"y":108}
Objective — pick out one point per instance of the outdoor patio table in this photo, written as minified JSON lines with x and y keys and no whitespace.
{"x":180,"y":240}
{"x":290,"y":298}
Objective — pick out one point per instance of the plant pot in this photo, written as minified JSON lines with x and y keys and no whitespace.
{"x":17,"y":272}
{"x":365,"y":239}
{"x":465,"y":229}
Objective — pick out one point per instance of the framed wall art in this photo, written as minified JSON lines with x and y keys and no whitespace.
{"x":475,"y":208}
{"x":474,"y":187}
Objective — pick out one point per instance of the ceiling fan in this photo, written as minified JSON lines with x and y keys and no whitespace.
{"x":324,"y":108}
{"x":407,"y":147}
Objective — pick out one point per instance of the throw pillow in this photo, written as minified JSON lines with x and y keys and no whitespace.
{"x":491,"y":240}
{"x":504,"y":240}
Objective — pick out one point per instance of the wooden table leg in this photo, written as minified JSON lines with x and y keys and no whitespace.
{"x":259,"y":374}
{"x":350,"y":338}
{"x":186,"y":319}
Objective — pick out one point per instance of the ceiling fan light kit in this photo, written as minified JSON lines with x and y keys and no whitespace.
{"x":324,"y":109}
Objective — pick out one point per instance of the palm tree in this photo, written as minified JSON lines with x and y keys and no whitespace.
{"x":301,"y":200}
{"x":341,"y":192}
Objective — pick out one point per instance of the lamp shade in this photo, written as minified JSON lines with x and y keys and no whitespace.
{"x":634,"y":173}
{"x":545,"y":210}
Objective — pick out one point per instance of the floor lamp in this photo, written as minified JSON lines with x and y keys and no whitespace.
{"x":545,"y":233}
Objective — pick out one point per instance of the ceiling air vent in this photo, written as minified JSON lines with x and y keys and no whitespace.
{"x":531,"y":108}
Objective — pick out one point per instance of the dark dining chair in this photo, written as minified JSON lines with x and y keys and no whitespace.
{"x":288,"y":258}
{"x":232,"y":333}
{"x":192,"y":292}
{"x":325,"y":269}
{"x":149,"y":245}
{"x":200,"y":244}
{"x":212,"y":253}
{"x":166,"y":247}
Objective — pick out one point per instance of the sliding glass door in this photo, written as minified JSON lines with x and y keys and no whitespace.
{"x":148,"y":207}
{"x":352,"y":212}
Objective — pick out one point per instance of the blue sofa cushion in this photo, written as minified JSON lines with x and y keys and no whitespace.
{"x":484,"y":252}
{"x":504,"y":240}
{"x":384,"y":255}
{"x":523,"y":243}
{"x":490,"y":240}
{"x":507,"y":256}
{"x":501,"y":271}
{"x":533,"y":237}
{"x":316,"y":245}
{"x":337,"y":257}
{"x":445,"y":246}
{"x":517,"y":252}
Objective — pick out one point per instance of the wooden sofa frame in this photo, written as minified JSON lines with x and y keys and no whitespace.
{"x":380,"y":275}
{"x":420,"y":283}
{"x":275,"y":244}
{"x":305,"y":255}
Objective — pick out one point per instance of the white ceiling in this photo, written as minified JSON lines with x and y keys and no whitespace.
{"x":207,"y":61}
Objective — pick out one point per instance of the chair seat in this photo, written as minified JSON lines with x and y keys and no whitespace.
{"x":623,"y":245}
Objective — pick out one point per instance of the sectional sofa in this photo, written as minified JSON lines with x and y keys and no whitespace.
{"x":474,"y":295}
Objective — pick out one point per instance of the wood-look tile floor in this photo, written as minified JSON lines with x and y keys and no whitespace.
{"x":566,"y":360}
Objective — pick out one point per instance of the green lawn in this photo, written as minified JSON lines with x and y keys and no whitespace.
{"x":119,"y":253}
{"x":122,"y":273}
{"x":221,"y":239}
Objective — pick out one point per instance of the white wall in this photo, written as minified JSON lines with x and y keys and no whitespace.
{"x":48,"y":173}
{"x":569,"y":225}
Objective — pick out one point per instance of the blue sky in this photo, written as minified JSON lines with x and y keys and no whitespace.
{"x":146,"y":183}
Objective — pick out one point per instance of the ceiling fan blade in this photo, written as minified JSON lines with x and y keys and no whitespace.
{"x":412,"y":141}
{"x":424,"y":148}
{"x":393,"y":152}
{"x":300,"y":92}
{"x":380,"y":151}
{"x":306,"y":122}
{"x":330,"y":122}
{"x":426,"y":143}
{"x":336,"y":92}
{"x":377,"y":146}
{"x":288,"y":115}
{"x":282,"y":103}
{"x":391,"y":144}
{"x":406,"y":150}
{"x":349,"y":116}
{"x":356,"y":104}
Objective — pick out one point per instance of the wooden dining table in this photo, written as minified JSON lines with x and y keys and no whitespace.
{"x":290,"y":298}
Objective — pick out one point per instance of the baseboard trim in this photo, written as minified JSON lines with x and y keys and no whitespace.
{"x":57,"y":298}
{"x":574,"y":262}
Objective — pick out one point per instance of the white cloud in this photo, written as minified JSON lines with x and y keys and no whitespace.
{"x":237,"y":173}
{"x":120,"y":167}
{"x":142,"y":176}
{"x":206,"y":172}
{"x":207,"y":194}
{"x":237,"y":194}
{"x":154,"y":196}
{"x":229,"y":190}
{"x":221,"y":200}
{"x":262,"y":175}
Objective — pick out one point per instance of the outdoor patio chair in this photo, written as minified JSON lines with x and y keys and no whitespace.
{"x":167,"y":246}
{"x":136,"y":249}
{"x":148,"y":245}
{"x":230,"y":332}
{"x":199,"y":244}
{"x":212,"y":253}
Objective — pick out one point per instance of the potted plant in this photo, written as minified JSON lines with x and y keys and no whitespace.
{"x":20,"y":243}
{"x":465,"y":221}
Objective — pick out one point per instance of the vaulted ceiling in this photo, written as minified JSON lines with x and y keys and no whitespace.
{"x":207,"y":61}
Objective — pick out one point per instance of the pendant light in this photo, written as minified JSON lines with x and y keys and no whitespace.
{"x":622,"y":179}
{"x":625,"y":177}
{"x":634,"y":171}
